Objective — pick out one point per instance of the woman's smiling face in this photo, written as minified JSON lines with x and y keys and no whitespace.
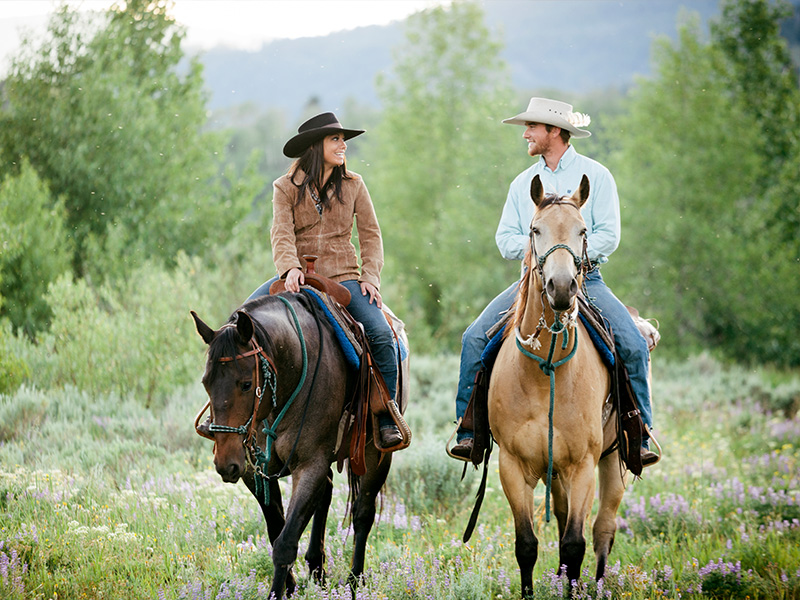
{"x":333,"y":150}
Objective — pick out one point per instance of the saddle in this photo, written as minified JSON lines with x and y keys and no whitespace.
{"x":630,"y":427}
{"x":370,"y":396}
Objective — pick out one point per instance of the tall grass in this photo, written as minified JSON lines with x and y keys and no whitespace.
{"x":101,"y":497}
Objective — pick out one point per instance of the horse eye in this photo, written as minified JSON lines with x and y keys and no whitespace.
{"x":534,"y":231}
{"x":246,"y":386}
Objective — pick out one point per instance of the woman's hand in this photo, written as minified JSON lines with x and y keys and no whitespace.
{"x":374,"y":294}
{"x":294,"y":279}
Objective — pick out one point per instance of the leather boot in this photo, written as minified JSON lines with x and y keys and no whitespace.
{"x":463,"y":449}
{"x":649,"y":457}
{"x":390,"y":436}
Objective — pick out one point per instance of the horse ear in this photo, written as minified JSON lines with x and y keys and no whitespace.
{"x":581,"y":195}
{"x":244,"y":326}
{"x":204,"y":330}
{"x":537,"y":190}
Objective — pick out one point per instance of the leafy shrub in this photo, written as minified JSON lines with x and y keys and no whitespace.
{"x":13,"y":369}
{"x":425,"y":479}
{"x":432,"y":391}
{"x":136,"y":338}
{"x":36,"y":248}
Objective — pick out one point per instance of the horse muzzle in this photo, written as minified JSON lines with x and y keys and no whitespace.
{"x":561,"y":292}
{"x":229,"y":463}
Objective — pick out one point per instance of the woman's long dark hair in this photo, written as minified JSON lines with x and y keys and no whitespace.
{"x":312,"y":163}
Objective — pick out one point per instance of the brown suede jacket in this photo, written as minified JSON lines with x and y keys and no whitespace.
{"x":298,"y":229}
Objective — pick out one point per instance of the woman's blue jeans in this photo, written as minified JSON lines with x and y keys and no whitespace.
{"x":379,"y":333}
{"x":631,"y":346}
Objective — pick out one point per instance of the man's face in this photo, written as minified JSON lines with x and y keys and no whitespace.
{"x":538,"y":138}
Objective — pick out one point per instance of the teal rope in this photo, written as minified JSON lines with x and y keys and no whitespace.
{"x":262,"y":457}
{"x":549,"y":369}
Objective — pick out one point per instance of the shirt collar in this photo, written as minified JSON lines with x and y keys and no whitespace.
{"x":564,"y":162}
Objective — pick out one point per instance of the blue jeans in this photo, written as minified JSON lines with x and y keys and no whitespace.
{"x":473,"y":343}
{"x":631,"y":346}
{"x":379,"y":334}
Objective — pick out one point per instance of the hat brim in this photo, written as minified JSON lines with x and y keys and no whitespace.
{"x":295,"y":147}
{"x":528,"y":117}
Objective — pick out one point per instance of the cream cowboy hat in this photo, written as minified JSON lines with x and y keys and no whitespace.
{"x":553,"y":112}
{"x":315,"y":129}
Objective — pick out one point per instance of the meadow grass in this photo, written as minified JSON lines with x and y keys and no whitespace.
{"x":103,"y":498}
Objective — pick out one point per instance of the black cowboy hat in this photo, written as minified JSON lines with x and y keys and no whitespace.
{"x":315,"y":129}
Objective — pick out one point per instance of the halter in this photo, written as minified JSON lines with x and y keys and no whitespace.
{"x":582,"y":263}
{"x":258,"y":458}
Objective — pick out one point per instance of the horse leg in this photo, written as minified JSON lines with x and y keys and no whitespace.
{"x":519,"y":493}
{"x":611,"y":488}
{"x":364,"y":508}
{"x":273,"y":516}
{"x":560,"y":505}
{"x":315,"y":555}
{"x":580,"y":493}
{"x":308,"y":485}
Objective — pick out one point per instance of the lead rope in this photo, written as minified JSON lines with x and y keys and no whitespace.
{"x":549,"y":369}
{"x":262,"y":457}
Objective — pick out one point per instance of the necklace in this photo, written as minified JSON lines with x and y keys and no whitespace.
{"x":317,"y":201}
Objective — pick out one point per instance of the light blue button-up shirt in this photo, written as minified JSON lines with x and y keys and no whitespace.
{"x":601,"y":210}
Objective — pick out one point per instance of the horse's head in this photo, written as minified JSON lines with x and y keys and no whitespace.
{"x":234,"y":382}
{"x":558,"y":243}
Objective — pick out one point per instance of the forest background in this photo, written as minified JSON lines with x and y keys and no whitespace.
{"x":126,"y":200}
{"x":123,"y":204}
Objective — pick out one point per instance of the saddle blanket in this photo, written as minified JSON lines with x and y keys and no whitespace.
{"x":351,"y":348}
{"x":489,"y":353}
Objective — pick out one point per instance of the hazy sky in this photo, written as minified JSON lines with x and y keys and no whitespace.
{"x":243,"y":24}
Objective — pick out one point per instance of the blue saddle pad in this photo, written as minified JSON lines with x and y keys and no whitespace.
{"x":489,"y":354}
{"x":350,"y":353}
{"x":605,"y":352}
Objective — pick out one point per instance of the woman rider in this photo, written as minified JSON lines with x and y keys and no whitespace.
{"x":314,"y":205}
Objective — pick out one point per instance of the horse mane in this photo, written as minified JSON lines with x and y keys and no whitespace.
{"x":518,"y":306}
{"x":226,"y":343}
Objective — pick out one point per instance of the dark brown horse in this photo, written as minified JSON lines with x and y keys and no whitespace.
{"x":276,"y":366}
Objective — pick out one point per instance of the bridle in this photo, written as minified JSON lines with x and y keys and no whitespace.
{"x":257,"y":458}
{"x":270,"y":375}
{"x":582,"y":263}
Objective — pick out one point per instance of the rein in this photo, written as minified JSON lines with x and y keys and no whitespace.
{"x":548,"y":367}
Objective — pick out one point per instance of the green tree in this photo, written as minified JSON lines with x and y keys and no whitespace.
{"x":766,"y":80}
{"x":442,"y":166}
{"x":36,"y":248}
{"x":695,"y":191}
{"x":112,"y":119}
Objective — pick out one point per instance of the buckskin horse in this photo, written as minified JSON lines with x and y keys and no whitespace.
{"x":277,"y":362}
{"x":546,"y":398}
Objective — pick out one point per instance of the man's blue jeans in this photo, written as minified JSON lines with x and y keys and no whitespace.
{"x":379,"y":333}
{"x":631,"y":346}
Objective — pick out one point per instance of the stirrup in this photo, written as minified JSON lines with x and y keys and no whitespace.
{"x":450,"y":439}
{"x":658,"y":447}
